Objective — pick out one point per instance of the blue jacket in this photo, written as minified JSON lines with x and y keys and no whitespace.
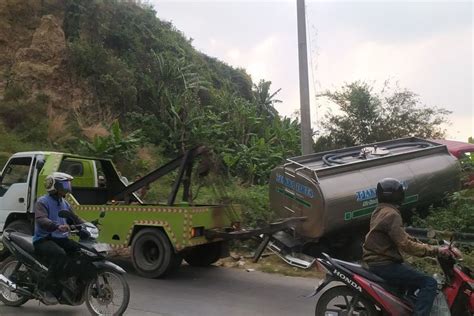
{"x":47,"y":218}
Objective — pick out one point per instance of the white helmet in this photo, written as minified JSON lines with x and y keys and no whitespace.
{"x":58,"y":181}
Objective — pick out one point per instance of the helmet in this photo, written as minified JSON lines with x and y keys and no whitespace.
{"x":390,"y":190}
{"x":58,"y":181}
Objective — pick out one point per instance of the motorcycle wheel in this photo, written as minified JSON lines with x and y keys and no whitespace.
{"x":340,"y":299}
{"x":8,"y":297}
{"x":113,"y":297}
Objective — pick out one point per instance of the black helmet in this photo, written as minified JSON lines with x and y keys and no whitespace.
{"x":390,"y":191}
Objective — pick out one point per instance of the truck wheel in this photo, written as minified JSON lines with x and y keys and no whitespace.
{"x":152,"y":254}
{"x":21,"y":226}
{"x":316,"y":249}
{"x":353,"y":252}
{"x":176,"y":264}
{"x":203,"y":255}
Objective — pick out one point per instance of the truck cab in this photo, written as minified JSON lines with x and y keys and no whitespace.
{"x":22,"y":178}
{"x":464,"y":152}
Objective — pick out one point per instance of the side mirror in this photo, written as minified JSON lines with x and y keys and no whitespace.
{"x":102,"y":214}
{"x":40,"y":164}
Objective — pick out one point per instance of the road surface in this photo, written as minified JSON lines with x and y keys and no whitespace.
{"x":202,"y":291}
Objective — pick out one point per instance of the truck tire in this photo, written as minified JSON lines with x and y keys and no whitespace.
{"x":316,"y":250}
{"x":353,"y":251}
{"x":204,"y":255}
{"x":176,"y":264}
{"x":152,"y":254}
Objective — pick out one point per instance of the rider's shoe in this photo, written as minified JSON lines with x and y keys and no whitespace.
{"x":48,"y":298}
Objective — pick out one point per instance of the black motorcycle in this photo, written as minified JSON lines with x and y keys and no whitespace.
{"x":88,"y":276}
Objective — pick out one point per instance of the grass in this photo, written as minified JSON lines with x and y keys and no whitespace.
{"x":269,"y":263}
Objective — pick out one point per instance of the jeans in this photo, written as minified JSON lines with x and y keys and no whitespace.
{"x":55,"y":252}
{"x":403,"y":276}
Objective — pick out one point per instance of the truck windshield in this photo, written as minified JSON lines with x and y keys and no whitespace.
{"x":16,"y":171}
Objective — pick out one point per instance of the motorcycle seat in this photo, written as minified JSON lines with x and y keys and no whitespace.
{"x":360,"y":270}
{"x":24,"y":241}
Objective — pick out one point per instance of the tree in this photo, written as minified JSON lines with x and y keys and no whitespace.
{"x":264,"y":99}
{"x":175,"y":101}
{"x":367,"y":117}
{"x":116,"y":145}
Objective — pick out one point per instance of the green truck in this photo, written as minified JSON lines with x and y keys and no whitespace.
{"x":159,"y":236}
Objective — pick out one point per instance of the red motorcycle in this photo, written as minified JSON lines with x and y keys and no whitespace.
{"x":364,"y":293}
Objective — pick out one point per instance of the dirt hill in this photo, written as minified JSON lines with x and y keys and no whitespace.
{"x":33,"y":51}
{"x":88,"y":61}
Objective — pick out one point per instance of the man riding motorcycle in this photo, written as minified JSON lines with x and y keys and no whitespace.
{"x":387,"y":239}
{"x":51,"y":231}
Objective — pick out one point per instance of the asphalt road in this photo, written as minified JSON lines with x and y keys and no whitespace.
{"x":202,"y":291}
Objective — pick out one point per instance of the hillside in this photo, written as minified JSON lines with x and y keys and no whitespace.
{"x":70,"y":69}
{"x":40,"y":38}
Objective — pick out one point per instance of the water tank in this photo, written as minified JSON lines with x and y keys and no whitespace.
{"x":335,"y":190}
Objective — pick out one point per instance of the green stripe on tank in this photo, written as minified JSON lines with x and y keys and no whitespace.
{"x":410,"y":199}
{"x":295,"y":198}
{"x":368,"y":210}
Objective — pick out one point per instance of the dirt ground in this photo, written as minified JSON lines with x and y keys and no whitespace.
{"x":269,"y":263}
{"x":242,"y":259}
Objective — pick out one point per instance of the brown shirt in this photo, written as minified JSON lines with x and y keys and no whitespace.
{"x":387,"y":238}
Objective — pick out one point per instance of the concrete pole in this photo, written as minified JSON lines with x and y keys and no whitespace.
{"x":306,"y":139}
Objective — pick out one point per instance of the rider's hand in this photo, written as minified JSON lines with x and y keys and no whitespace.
{"x":63,"y":228}
{"x":444,"y":252}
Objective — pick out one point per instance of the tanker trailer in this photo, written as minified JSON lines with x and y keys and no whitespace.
{"x":336,"y":191}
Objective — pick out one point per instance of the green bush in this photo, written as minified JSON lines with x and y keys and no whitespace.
{"x":457,"y":216}
{"x":254,"y":201}
{"x":24,"y":116}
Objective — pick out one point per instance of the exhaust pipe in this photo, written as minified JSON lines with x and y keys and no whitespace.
{"x":13,"y":287}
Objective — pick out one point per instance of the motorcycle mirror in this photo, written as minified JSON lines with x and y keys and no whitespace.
{"x":102,"y":214}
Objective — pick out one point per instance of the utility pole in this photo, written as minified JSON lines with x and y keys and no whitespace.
{"x":306,"y":139}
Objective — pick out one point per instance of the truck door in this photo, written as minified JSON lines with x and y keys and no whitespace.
{"x":14,"y":187}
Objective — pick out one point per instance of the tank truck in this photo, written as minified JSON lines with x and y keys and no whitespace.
{"x":336,"y":192}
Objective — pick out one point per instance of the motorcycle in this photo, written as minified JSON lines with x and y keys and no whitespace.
{"x":364,"y":293}
{"x":88,"y":276}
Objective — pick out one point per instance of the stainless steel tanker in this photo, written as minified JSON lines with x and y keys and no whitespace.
{"x":335,"y":190}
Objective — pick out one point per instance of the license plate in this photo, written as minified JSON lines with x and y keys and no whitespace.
{"x":102,"y":247}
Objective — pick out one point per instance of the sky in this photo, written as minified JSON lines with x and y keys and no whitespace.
{"x":424,"y":46}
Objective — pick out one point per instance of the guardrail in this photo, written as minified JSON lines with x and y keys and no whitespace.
{"x":423,"y":234}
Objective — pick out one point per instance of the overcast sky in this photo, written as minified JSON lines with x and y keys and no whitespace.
{"x":425,"y":46}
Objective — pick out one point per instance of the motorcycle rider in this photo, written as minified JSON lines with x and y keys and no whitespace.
{"x":51,"y":231}
{"x":387,"y":239}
